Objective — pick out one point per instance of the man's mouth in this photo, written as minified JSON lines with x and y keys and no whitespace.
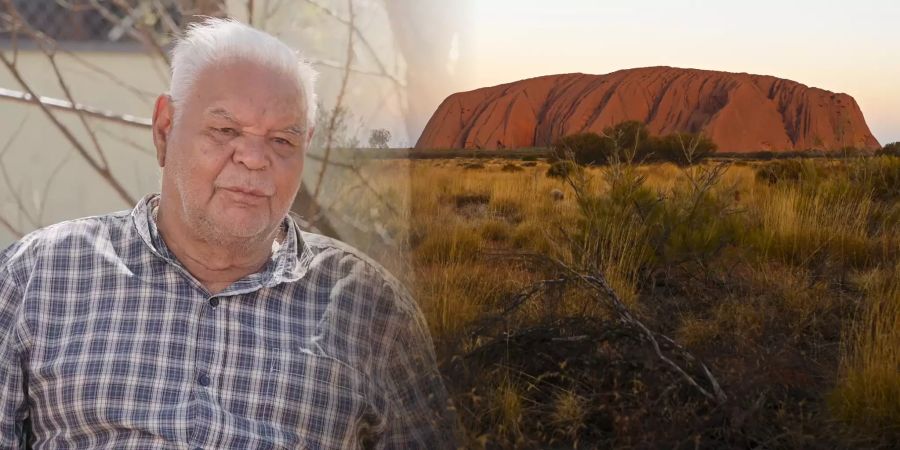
{"x":248,"y":191}
{"x":246,"y":195}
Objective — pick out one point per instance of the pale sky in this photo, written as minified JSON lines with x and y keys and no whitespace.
{"x":841,"y":46}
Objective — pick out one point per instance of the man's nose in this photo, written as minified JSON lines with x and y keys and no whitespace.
{"x":251,"y":151}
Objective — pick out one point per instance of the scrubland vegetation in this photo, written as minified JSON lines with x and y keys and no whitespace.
{"x":716,"y":305}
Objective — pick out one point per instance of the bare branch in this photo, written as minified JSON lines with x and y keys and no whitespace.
{"x":139,"y":93}
{"x":362,"y":38}
{"x":102,"y":171}
{"x":46,"y":192}
{"x":7,"y":180}
{"x":598,"y":283}
{"x":340,"y":98}
{"x":81,"y":116}
{"x":12,"y":228}
{"x":334,"y":65}
{"x":63,"y":105}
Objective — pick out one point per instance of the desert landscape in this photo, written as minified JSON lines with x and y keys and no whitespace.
{"x":610,"y":251}
{"x":725,"y":304}
{"x":598,"y":271}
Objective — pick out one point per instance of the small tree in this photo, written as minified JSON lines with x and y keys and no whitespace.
{"x":683,"y":148}
{"x":892,"y":149}
{"x":379,"y":138}
{"x":628,"y":137}
{"x":583,"y":148}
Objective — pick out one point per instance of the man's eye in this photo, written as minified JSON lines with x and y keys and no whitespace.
{"x":226,"y":131}
{"x":283,"y":141}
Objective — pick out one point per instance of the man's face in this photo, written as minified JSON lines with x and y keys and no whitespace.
{"x":233,"y":159}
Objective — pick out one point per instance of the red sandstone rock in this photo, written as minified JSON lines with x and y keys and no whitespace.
{"x":739,"y":111}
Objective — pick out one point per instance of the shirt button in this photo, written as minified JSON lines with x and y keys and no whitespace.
{"x":203,"y":379}
{"x":214,"y":302}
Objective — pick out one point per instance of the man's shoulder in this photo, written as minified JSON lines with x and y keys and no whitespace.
{"x":65,"y":236}
{"x":352,"y":262}
{"x":319,"y":243}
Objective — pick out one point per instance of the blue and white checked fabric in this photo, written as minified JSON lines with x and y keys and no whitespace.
{"x":106,"y":341}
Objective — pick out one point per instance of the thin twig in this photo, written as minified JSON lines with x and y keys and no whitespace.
{"x":81,"y":116}
{"x":139,"y":93}
{"x":102,"y":171}
{"x":332,"y":123}
{"x":362,"y":38}
{"x":46,"y":191}
{"x":7,"y":180}
{"x":517,"y":301}
{"x":599,"y":284}
{"x":333,"y":65}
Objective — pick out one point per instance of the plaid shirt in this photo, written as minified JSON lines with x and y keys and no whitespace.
{"x":106,"y":341}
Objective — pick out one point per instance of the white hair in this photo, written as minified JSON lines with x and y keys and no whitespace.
{"x":212,"y":40}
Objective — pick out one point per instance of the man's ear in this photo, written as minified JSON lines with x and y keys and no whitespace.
{"x":309,"y":135}
{"x":163,"y":115}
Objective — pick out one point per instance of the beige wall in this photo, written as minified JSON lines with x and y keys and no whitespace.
{"x":35,"y":148}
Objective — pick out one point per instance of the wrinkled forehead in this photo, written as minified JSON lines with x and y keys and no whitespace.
{"x":248,"y":93}
{"x":291,"y":123}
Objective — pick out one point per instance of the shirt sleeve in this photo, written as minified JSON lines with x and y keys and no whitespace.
{"x":420,"y":413}
{"x":13,"y":411}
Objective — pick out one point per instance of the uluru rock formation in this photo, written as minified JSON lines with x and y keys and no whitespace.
{"x":740,"y":112}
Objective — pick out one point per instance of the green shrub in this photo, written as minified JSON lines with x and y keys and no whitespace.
{"x":680,"y":148}
{"x":583,"y":148}
{"x":879,"y":175}
{"x":629,"y":141}
{"x":787,"y":170}
{"x":892,"y":149}
{"x":629,"y":135}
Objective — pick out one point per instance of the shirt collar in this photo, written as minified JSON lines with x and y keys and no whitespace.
{"x":288,"y":262}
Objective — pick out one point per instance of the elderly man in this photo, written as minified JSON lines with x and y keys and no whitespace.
{"x":204,"y":318}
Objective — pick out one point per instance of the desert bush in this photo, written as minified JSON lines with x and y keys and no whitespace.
{"x":680,"y":148}
{"x":631,"y":142}
{"x":583,"y":148}
{"x":508,"y":209}
{"x":510,"y":167}
{"x":455,"y":294}
{"x":563,"y":169}
{"x":879,"y":175}
{"x":466,"y":199}
{"x":495,"y":230}
{"x":627,"y":136}
{"x":787,"y":170}
{"x":892,"y":149}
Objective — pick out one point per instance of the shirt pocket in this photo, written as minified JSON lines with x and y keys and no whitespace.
{"x":318,"y":397}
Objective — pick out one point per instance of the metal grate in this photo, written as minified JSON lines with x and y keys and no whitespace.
{"x":101,"y":20}
{"x":64,"y":21}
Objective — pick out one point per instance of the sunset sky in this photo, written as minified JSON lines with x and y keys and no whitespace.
{"x":840,"y":46}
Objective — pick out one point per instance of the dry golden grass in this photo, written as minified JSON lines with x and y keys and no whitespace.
{"x":789,"y":250}
{"x":868,"y":393}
